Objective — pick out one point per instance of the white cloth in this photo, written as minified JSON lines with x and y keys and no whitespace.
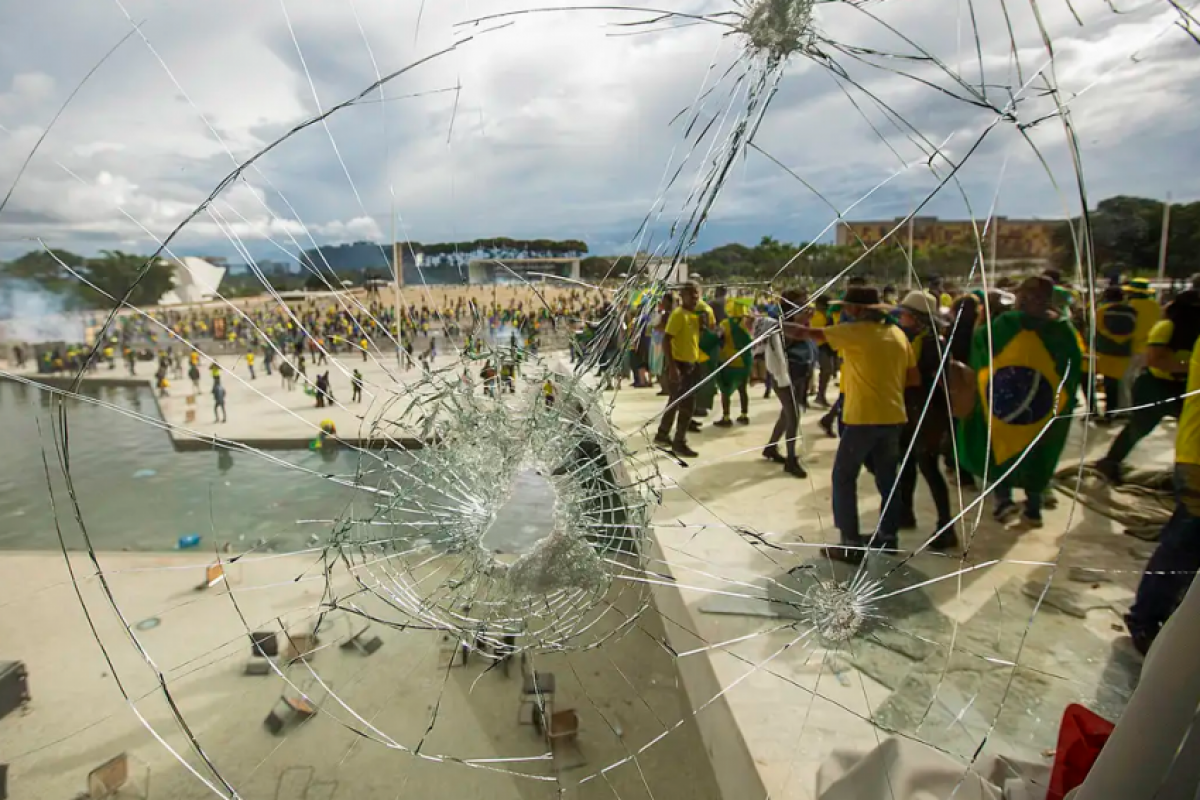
{"x":776,"y":357}
{"x":902,"y":768}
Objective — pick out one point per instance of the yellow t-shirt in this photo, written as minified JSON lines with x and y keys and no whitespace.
{"x":683,"y":327}
{"x":1149,"y":312}
{"x":1161,"y":333}
{"x":876,"y":359}
{"x":945,"y":301}
{"x":1187,"y":440}
{"x":819,"y":320}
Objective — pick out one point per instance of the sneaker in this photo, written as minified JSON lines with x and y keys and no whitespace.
{"x":1005,"y":512}
{"x":683,"y":451}
{"x":794,"y":468}
{"x":724,"y":422}
{"x":827,"y":426}
{"x":663,"y":439}
{"x":743,"y":420}
{"x":1109,"y":470}
{"x":844,"y":554}
{"x":1030,"y":523}
{"x":771,"y":453}
{"x":1142,"y":639}
{"x":695,"y":427}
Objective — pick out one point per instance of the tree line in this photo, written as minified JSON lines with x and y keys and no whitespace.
{"x":1125,"y":233}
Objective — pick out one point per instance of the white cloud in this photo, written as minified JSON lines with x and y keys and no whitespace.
{"x":560,"y":127}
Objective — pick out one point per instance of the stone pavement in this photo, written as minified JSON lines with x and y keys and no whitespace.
{"x":936,"y":663}
{"x":982,"y":646}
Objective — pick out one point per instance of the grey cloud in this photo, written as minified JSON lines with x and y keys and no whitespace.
{"x":551,"y":138}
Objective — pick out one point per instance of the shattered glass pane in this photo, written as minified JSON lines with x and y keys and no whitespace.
{"x":488,"y":576}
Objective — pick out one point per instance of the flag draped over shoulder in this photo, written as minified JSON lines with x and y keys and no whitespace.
{"x":1030,"y":382}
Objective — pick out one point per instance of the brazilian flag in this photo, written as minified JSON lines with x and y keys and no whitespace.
{"x":1019,"y":394}
{"x":1115,"y":326}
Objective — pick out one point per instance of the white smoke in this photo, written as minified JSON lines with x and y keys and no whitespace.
{"x":31,"y":314}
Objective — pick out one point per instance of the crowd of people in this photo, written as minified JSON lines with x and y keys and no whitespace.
{"x":987,"y":381}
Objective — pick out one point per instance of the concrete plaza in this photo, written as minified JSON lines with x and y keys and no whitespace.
{"x":966,"y":647}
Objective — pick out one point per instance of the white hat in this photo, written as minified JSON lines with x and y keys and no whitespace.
{"x":921,"y":303}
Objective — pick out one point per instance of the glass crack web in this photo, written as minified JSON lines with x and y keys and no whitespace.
{"x":490,"y":538}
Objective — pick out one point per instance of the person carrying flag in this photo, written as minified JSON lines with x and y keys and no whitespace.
{"x":1028,"y":371}
{"x":733,"y":361}
{"x":1116,"y":323}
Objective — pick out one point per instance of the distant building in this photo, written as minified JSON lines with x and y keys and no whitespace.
{"x":518,"y":270}
{"x":195,"y":280}
{"x":1016,"y":239}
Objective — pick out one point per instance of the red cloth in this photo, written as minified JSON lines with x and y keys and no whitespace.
{"x":1081,"y":736}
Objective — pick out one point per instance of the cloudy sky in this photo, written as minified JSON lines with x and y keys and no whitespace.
{"x":566,"y":124}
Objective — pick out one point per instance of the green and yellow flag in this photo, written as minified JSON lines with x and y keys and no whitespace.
{"x":1029,"y":383}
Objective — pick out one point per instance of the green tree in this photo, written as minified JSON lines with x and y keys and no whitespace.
{"x":46,"y":269}
{"x":116,"y":272}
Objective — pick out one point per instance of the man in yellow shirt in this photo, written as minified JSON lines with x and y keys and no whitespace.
{"x":681,"y":350}
{"x":877,"y":364}
{"x":1158,"y":389}
{"x":1171,"y":568}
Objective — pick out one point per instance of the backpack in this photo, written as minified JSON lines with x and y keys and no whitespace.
{"x":963,"y":388}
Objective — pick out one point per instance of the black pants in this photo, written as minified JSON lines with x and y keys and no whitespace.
{"x":1162,"y":399}
{"x":925,"y":460}
{"x":356,"y":393}
{"x":827,"y":361}
{"x":681,"y":403}
{"x":787,"y":426}
{"x":1172,"y":567}
{"x":1112,"y":395}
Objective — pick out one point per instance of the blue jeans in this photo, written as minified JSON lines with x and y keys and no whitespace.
{"x":1172,"y":566}
{"x":879,"y":447}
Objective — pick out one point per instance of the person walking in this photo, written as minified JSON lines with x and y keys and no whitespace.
{"x":356,"y":387}
{"x":877,"y":364}
{"x":733,"y":363}
{"x":789,"y":363}
{"x":681,"y":348}
{"x":1028,"y":366}
{"x":1158,"y":390}
{"x":826,"y":359}
{"x":194,"y":376}
{"x":1116,"y":323}
{"x":218,"y":393}
{"x":1173,"y":565}
{"x":250,"y":363}
{"x":320,"y":391}
{"x":929,"y":418}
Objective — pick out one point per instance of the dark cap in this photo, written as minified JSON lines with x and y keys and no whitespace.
{"x":863,"y":296}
